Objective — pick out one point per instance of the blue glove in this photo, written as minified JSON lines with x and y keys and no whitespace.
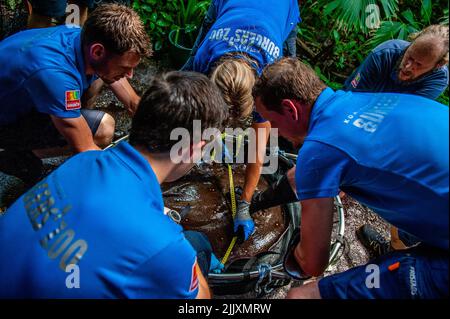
{"x":244,"y":221}
{"x":216,"y":266}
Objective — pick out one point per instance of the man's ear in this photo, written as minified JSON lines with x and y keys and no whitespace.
{"x":440,"y":64}
{"x":290,"y":108}
{"x":97,"y":51}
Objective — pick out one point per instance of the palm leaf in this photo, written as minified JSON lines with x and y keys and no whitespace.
{"x":351,"y":15}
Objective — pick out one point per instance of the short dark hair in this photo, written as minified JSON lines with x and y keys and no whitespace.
{"x":118,"y":28}
{"x":174,"y":100}
{"x":288,"y":78}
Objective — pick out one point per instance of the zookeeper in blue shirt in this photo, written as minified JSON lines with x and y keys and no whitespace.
{"x":389,"y":151}
{"x":398,"y":66}
{"x":120,"y":243}
{"x":43,"y":77}
{"x":237,"y":39}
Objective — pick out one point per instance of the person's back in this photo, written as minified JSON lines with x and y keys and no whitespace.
{"x":255,"y":28}
{"x":34,"y":57}
{"x":120,"y":239}
{"x":391,"y":153}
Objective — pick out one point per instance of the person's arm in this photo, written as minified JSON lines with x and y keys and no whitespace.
{"x":253,"y":170}
{"x":76,"y":132}
{"x":312,"y":253}
{"x":126,"y":94}
{"x":366,"y":76}
{"x":203,"y":289}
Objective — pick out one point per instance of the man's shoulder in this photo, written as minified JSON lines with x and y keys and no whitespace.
{"x":396,"y":45}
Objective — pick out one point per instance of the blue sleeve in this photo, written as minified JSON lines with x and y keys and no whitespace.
{"x":49,"y":90}
{"x":257,"y":118}
{"x":170,"y":274}
{"x":435,"y":85}
{"x":320,"y":170}
{"x":365,"y":77}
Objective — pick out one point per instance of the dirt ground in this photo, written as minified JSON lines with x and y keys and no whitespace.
{"x":356,"y":215}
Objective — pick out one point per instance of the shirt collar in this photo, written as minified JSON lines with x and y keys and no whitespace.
{"x":320,"y":104}
{"x":81,"y":66}
{"x":136,"y":162}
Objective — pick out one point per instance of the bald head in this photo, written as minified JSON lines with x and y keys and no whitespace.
{"x":428,"y":51}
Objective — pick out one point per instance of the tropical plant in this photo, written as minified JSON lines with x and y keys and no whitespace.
{"x":189,"y":18}
{"x":352,"y":15}
{"x":12,"y":4}
{"x":161,"y":17}
{"x":407,"y":23}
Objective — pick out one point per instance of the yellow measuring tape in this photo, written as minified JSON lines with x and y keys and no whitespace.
{"x":233,"y":197}
{"x":233,"y":211}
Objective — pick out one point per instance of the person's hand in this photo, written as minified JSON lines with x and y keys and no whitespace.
{"x":243,"y":222}
{"x":215,"y":266}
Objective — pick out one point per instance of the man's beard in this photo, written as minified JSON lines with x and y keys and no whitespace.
{"x":397,"y":69}
{"x":97,"y":66}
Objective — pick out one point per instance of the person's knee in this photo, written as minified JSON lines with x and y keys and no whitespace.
{"x":308,"y":291}
{"x":105,"y":132}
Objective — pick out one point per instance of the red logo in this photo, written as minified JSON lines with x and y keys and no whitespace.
{"x":73,"y":100}
{"x":194,"y":277}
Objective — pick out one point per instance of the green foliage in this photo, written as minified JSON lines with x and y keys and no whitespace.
{"x":408,"y":22}
{"x":161,"y":17}
{"x":444,"y":98}
{"x":12,"y":4}
{"x":351,"y":15}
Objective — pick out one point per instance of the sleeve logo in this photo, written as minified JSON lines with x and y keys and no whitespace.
{"x":73,"y":100}
{"x":194,"y":277}
{"x":356,"y":80}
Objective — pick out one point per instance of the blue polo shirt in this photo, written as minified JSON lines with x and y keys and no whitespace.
{"x":379,"y":73}
{"x":42,"y":70}
{"x":103,"y":212}
{"x":388,"y":151}
{"x":257,"y":28}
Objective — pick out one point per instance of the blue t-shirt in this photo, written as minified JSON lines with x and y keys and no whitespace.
{"x":388,"y":151}
{"x":42,"y":70}
{"x":379,"y":73}
{"x":103,"y":211}
{"x":257,"y":28}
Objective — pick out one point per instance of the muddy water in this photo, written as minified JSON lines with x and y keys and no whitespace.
{"x":204,"y":191}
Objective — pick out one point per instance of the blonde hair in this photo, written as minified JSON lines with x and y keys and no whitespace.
{"x":235,"y":78}
{"x":435,"y":33}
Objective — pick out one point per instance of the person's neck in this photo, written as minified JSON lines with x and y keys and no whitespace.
{"x":88,"y":69}
{"x":160,"y":163}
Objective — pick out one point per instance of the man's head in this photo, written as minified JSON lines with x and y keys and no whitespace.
{"x":285,"y":94}
{"x":427,"y":52}
{"x":173,"y":101}
{"x":114,"y":40}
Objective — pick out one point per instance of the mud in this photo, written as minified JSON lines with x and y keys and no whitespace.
{"x":204,"y":191}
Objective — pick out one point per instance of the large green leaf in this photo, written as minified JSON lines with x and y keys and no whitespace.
{"x":426,"y":11}
{"x":352,"y":15}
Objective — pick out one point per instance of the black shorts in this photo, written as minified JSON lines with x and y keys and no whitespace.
{"x":37,"y":131}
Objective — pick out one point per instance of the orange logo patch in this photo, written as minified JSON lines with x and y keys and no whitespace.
{"x":73,"y":101}
{"x":194,"y":277}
